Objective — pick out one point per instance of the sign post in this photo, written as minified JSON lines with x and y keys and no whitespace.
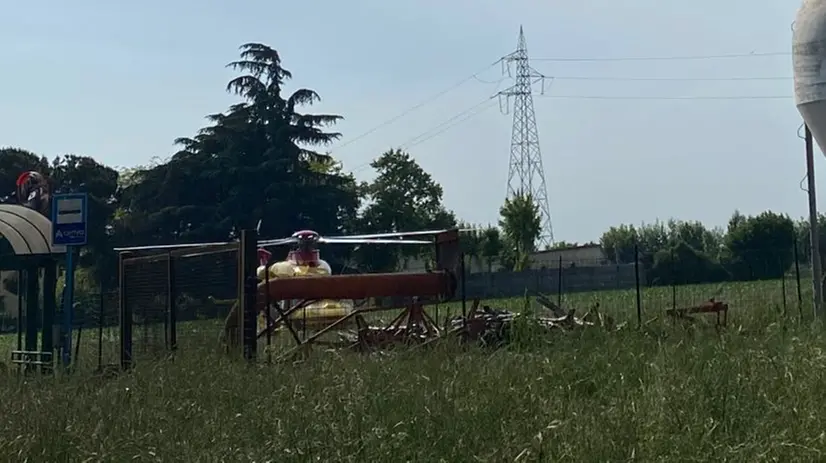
{"x":69,"y":228}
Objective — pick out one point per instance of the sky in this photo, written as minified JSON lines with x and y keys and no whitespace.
{"x":119,"y":81}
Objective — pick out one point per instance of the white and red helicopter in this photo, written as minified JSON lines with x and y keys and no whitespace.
{"x":305,"y":260}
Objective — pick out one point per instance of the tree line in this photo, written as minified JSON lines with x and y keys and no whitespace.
{"x":263,"y":159}
{"x":763,"y":246}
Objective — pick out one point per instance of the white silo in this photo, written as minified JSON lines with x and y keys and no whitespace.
{"x":809,"y":60}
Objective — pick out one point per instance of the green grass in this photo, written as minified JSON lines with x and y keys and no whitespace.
{"x":666,"y":393}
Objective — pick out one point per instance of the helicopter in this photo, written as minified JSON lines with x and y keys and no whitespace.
{"x":304,"y":260}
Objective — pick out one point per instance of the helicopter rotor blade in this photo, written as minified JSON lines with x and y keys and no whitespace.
{"x":377,"y":238}
{"x":370,"y":241}
{"x":174,"y":246}
{"x":401,"y":234}
{"x":276,"y":242}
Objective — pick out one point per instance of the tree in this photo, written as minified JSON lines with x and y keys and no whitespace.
{"x":653,"y":241}
{"x":566,"y":245}
{"x":695,"y":235}
{"x":759,"y":247}
{"x":803,"y":240}
{"x":618,"y":243}
{"x":253,"y":162}
{"x":492,"y":246}
{"x":681,"y":263}
{"x":402,"y":197}
{"x":521,"y":225}
{"x":471,"y":242}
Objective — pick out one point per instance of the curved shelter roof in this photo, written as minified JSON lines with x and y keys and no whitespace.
{"x":27,"y":231}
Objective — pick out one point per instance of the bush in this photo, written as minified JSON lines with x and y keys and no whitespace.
{"x":682,"y":264}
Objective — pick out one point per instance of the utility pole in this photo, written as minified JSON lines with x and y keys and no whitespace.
{"x":814,"y":233}
{"x":526,"y":174}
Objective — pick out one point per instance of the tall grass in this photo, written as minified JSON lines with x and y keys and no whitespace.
{"x":753,"y":392}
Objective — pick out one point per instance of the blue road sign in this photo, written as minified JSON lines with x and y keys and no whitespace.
{"x":69,"y":219}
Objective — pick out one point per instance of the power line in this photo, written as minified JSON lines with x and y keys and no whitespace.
{"x":490,"y":82}
{"x":444,"y":126}
{"x":477,"y":109}
{"x":435,"y":132}
{"x":665,"y":58}
{"x":484,"y":105}
{"x":667,"y":79}
{"x":475,"y":76}
{"x":719,"y":97}
{"x":417,"y":106}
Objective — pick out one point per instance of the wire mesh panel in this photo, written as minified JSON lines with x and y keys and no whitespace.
{"x":146,"y":287}
{"x":95,"y":336}
{"x":206,"y":288}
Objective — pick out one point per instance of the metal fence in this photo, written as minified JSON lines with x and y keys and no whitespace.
{"x":162,"y":295}
{"x":95,"y":330}
{"x":205,"y":288}
{"x":565,"y":279}
{"x":181,"y":299}
{"x":96,"y":324}
{"x":769,"y":282}
{"x":146,"y":292}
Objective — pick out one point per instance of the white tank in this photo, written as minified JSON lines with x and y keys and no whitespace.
{"x":809,"y":61}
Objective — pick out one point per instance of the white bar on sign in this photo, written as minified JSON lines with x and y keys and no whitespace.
{"x":69,"y":218}
{"x":69,"y":205}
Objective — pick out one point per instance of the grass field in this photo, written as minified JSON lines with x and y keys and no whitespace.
{"x":753,"y":392}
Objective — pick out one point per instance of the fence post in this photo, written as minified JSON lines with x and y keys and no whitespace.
{"x":101,"y":321}
{"x":248,"y":290}
{"x":637,"y":284}
{"x":797,"y":279}
{"x":267,"y":309}
{"x":125,"y":315}
{"x":463,"y":271}
{"x":673,"y":268}
{"x":172,"y":301}
{"x":783,"y":288}
{"x":559,"y":283}
{"x":49,"y":308}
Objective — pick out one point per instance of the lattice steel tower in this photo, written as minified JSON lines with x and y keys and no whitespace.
{"x":525,"y":171}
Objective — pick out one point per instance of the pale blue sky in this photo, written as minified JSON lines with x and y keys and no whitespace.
{"x":120,"y":80}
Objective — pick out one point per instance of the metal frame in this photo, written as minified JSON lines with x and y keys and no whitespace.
{"x":126,"y":313}
{"x":126,"y":320}
{"x":247,"y":293}
{"x":170,"y":254}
